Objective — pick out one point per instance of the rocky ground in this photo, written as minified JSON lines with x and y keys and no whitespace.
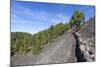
{"x":62,"y":50}
{"x":86,"y":38}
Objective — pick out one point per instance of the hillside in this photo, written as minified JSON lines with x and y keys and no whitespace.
{"x":22,"y":42}
{"x":60,"y":43}
{"x":62,"y":50}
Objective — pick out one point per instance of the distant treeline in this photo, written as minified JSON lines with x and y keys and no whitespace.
{"x":22,"y":42}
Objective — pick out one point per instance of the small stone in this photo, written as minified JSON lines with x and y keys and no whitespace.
{"x":87,"y":48}
{"x":84,"y":41}
{"x":82,"y":47}
{"x":81,"y":40}
{"x":93,"y":55}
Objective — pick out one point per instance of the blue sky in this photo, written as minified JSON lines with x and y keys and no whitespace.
{"x":33,"y":17}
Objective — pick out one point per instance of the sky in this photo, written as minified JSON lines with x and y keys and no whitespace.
{"x":33,"y":17}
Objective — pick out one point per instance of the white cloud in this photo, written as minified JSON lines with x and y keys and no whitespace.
{"x":37,"y":15}
{"x":60,"y":18}
{"x":28,"y":14}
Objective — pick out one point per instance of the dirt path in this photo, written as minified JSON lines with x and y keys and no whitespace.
{"x":62,"y":50}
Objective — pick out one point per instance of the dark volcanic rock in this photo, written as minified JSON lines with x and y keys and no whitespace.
{"x":86,"y":37}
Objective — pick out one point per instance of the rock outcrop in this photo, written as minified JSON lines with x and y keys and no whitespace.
{"x":86,"y":38}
